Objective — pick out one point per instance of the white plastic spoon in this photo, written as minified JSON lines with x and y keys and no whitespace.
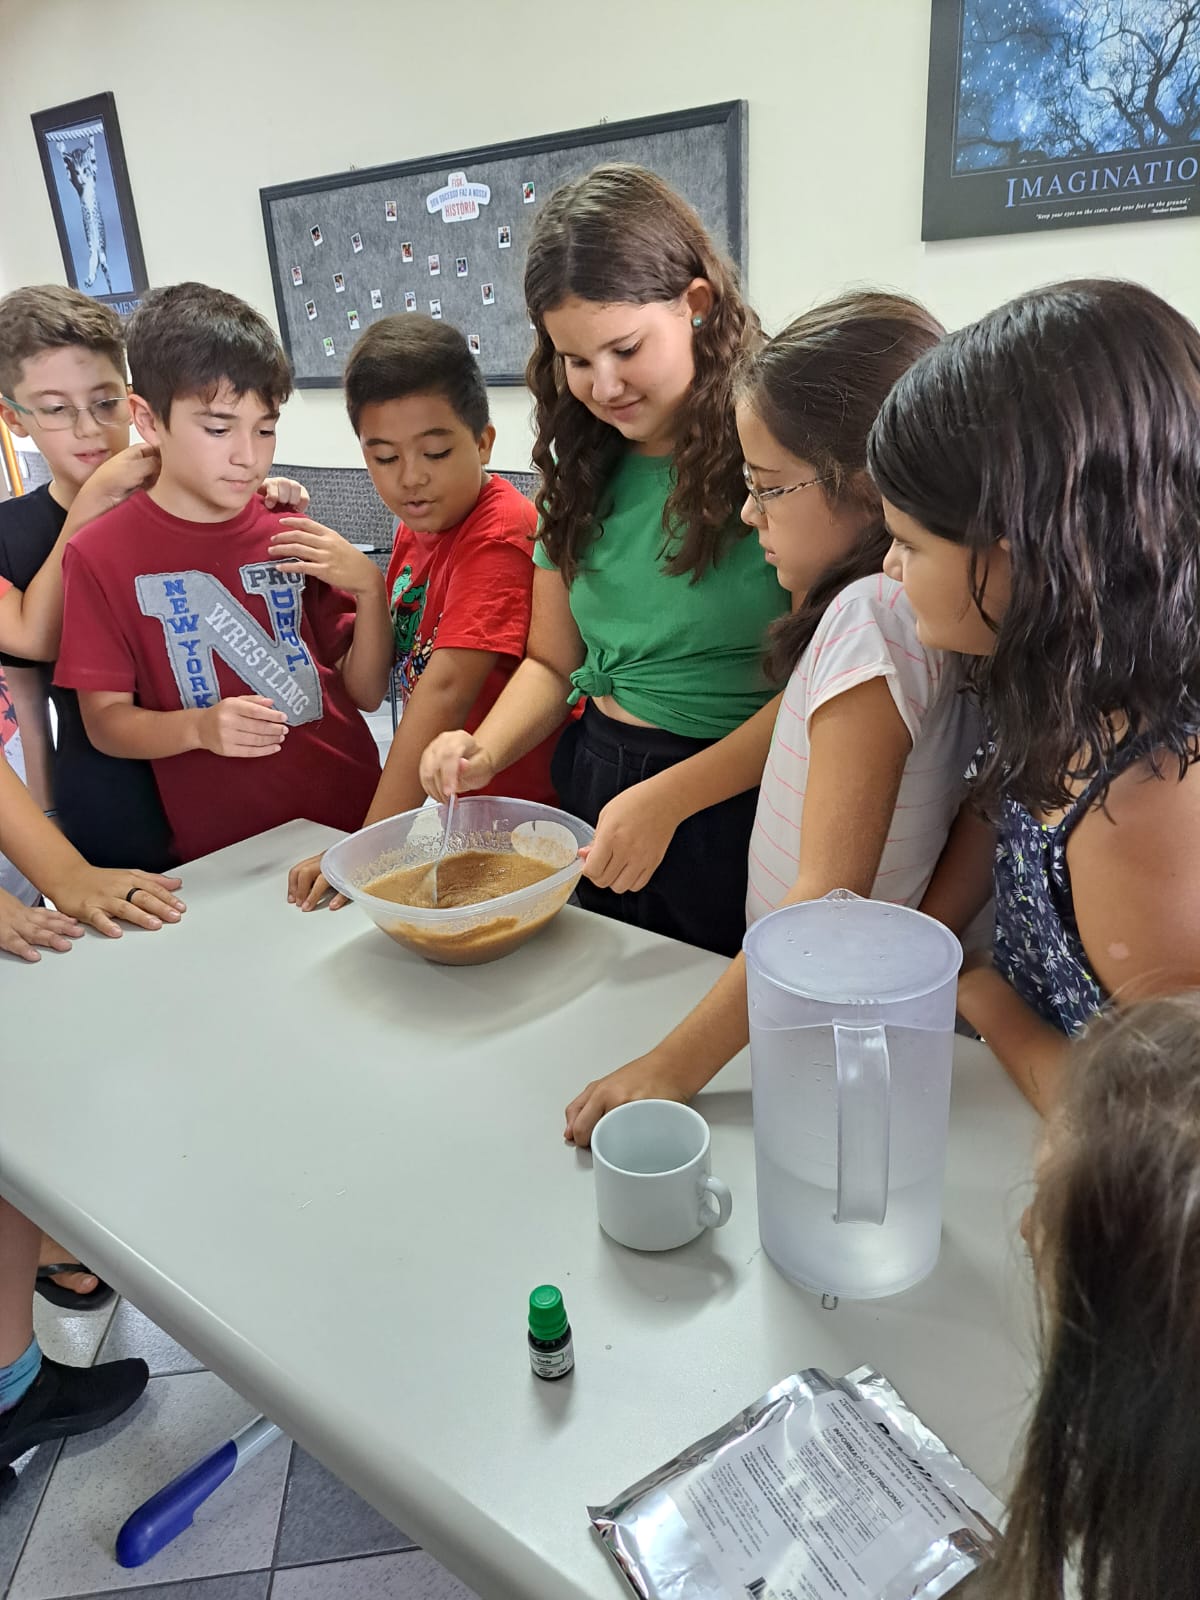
{"x":445,"y":843}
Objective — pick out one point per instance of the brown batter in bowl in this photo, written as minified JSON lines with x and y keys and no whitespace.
{"x":468,"y":878}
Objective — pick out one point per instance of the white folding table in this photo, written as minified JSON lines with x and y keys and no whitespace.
{"x":260,"y":1086}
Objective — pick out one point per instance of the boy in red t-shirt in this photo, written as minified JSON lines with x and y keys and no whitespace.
{"x":461,"y":575}
{"x":201,"y":636}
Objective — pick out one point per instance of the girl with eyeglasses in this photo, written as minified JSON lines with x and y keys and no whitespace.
{"x":871,"y":740}
{"x":649,"y":598}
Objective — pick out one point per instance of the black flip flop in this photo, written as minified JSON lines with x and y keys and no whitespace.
{"x":60,"y":1296}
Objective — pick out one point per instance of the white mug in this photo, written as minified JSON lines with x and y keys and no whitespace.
{"x":653,"y":1188}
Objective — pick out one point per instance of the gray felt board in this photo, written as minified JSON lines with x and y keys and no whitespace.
{"x":478,"y":285}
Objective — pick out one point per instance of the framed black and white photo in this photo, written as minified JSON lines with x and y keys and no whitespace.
{"x":83,"y":160}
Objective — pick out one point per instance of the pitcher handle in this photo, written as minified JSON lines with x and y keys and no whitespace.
{"x":864,"y":1122}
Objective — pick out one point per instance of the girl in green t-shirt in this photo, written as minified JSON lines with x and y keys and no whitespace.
{"x":649,"y":598}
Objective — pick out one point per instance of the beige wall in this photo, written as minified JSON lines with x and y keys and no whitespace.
{"x":219,"y":98}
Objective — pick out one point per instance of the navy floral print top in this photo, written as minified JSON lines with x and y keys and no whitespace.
{"x":1037,"y":945}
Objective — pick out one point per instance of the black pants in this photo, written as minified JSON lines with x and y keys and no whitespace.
{"x":110,"y":811}
{"x":698,"y":891}
{"x":108,"y":808}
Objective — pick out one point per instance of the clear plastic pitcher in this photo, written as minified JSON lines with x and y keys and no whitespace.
{"x":851,"y":1037}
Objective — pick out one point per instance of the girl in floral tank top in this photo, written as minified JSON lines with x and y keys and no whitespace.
{"x":1041,"y":479}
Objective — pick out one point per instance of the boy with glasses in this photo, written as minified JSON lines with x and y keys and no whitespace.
{"x":62,"y":384}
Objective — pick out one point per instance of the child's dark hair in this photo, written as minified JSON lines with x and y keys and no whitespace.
{"x":1110,"y":1483}
{"x":46,"y":316}
{"x":621,"y":235}
{"x":817,"y":388}
{"x":190,"y":339}
{"x":1068,"y":424}
{"x":403,"y":355}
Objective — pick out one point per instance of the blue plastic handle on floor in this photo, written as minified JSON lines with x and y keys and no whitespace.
{"x":164,"y":1517}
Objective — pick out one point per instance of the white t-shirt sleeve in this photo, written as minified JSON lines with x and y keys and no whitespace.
{"x":869,"y":631}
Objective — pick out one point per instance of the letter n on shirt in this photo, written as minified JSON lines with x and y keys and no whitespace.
{"x":201,"y":620}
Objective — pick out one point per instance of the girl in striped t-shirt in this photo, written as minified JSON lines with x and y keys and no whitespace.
{"x":872,"y":737}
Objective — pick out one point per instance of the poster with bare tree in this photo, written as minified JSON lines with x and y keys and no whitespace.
{"x":1061,"y":114}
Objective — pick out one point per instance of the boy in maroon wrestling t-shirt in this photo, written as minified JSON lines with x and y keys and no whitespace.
{"x":229,"y":646}
{"x":460,"y":582}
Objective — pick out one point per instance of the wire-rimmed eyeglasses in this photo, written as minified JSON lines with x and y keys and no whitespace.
{"x":110,"y":412}
{"x":762,"y":496}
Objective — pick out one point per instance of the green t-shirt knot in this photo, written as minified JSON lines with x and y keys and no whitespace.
{"x":677,"y":654}
{"x":591,"y":681}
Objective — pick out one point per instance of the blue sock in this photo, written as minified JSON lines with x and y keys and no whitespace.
{"x":15,"y":1380}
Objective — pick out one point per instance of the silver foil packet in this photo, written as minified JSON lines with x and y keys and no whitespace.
{"x":824,"y":1489}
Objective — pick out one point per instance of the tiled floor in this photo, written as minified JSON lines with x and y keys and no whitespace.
{"x":282,"y":1529}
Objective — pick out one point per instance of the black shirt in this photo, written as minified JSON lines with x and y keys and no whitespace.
{"x":29,"y":525}
{"x":108,"y":808}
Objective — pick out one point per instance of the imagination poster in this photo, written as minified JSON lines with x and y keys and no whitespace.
{"x":1061,"y":114}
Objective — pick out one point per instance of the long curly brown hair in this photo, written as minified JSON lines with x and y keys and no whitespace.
{"x":1066,"y":423}
{"x":621,"y":235}
{"x":817,"y":387}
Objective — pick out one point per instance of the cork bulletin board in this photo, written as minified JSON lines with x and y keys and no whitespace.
{"x":447,"y":235}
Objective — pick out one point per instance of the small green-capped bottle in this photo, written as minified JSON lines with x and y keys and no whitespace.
{"x":551,"y":1354}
